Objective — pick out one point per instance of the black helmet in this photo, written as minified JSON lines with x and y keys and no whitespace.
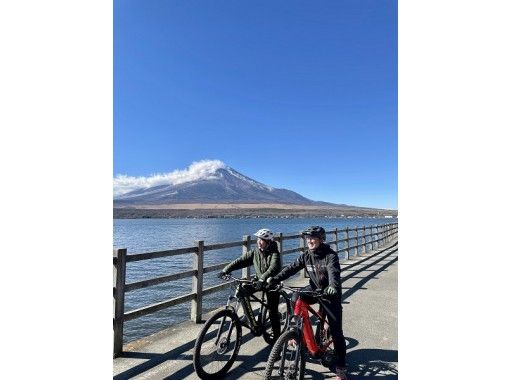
{"x":315,"y":231}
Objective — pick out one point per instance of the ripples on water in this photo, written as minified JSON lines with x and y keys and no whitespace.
{"x":147,"y":235}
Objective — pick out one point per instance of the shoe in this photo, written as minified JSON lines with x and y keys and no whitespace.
{"x":341,"y":373}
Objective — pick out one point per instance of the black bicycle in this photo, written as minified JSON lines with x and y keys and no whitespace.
{"x":218,"y":343}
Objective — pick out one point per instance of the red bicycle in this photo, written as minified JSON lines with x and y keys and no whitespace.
{"x":287,"y":358}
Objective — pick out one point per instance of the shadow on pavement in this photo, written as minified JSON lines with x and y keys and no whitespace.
{"x":359,"y":285}
{"x":372,"y":364}
{"x":179,"y":353}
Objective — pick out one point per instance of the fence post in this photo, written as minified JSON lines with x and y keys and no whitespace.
{"x":368,"y":239}
{"x":335,"y":234}
{"x":364,"y":240}
{"x":198,"y":282}
{"x":302,"y":250}
{"x":279,"y":243}
{"x":119,"y":279}
{"x":346,"y":243}
{"x":371,"y":238}
{"x":376,"y":236}
{"x":246,"y":247}
{"x":357,"y":242}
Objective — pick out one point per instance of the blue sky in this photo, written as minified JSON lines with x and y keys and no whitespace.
{"x":295,"y":94}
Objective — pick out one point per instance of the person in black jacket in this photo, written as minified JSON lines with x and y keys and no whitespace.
{"x":267,"y":262}
{"x":321,"y":264}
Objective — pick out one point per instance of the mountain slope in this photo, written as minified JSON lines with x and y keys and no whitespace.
{"x":214,"y":183}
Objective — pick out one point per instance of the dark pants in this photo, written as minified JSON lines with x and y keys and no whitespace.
{"x":272,"y":299}
{"x":333,"y":308}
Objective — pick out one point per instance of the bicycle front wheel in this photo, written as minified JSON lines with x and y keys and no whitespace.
{"x":287,"y":358}
{"x":217,"y":345}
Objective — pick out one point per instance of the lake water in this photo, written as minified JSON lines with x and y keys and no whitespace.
{"x":147,"y":235}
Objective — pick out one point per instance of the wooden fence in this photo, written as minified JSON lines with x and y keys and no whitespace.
{"x":359,"y":240}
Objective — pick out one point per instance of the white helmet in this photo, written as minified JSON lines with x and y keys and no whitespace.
{"x":265,"y":234}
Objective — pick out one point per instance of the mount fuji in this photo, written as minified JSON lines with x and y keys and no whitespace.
{"x":208,"y":181}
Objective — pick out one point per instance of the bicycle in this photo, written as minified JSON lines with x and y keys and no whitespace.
{"x":287,"y":357}
{"x":218,"y":343}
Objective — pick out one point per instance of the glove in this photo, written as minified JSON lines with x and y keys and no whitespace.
{"x":222,"y":274}
{"x":271,"y":282}
{"x":330,"y":291}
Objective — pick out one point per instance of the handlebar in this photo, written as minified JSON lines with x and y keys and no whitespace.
{"x":278,"y":288}
{"x":228,"y":277}
{"x":299,"y":290}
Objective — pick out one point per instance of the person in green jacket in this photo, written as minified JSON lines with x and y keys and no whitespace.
{"x":266,"y":260}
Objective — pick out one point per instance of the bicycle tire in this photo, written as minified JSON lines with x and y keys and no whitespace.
{"x":199,"y":364}
{"x":276,"y":356}
{"x":267,"y":333}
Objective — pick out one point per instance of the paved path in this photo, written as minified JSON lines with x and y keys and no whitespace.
{"x":369,"y":319}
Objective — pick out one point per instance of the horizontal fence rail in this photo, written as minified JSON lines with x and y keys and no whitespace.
{"x":359,"y":240}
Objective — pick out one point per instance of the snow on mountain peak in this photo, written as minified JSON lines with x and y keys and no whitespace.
{"x":249,"y":180}
{"x":198,"y":170}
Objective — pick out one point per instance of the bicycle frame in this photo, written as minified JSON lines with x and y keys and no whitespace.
{"x":240,"y":298}
{"x":316,"y":349}
{"x":301,"y":321}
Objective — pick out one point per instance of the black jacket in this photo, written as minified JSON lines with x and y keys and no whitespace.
{"x":322,"y":266}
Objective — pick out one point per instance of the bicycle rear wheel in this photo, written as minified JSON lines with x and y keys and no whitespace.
{"x":217,"y":345}
{"x":284,"y":311}
{"x":287,"y":358}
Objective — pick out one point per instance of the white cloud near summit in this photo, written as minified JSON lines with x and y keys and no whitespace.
{"x":204,"y":169}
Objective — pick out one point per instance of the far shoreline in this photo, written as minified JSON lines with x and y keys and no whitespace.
{"x":230,"y":211}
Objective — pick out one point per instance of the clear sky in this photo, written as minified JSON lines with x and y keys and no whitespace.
{"x":294,"y":94}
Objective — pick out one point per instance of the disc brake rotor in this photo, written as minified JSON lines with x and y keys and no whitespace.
{"x":222,"y":346}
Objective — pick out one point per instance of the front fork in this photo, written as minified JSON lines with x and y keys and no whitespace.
{"x":234,"y":309}
{"x":295,"y":323}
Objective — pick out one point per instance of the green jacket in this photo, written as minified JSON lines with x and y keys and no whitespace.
{"x":266,"y":263}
